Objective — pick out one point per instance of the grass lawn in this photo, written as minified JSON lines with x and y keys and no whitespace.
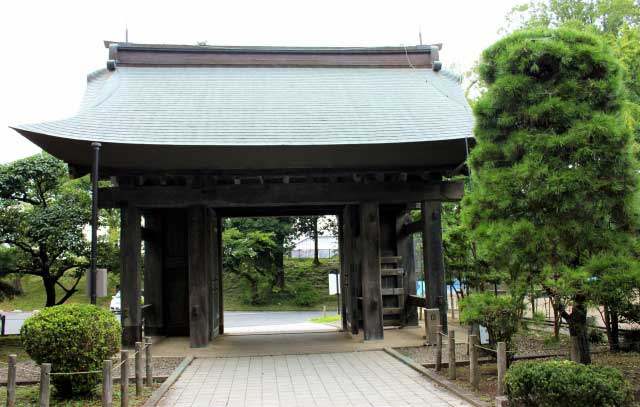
{"x":34,"y":296}
{"x":27,"y":396}
{"x":327,"y":319}
{"x":296,"y":271}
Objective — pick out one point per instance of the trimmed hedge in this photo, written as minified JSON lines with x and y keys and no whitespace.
{"x":566,"y":384}
{"x":73,"y":338}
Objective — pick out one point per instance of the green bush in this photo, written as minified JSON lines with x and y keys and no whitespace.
{"x":305,"y":294}
{"x":499,"y":314}
{"x":73,"y":338}
{"x":566,"y":384}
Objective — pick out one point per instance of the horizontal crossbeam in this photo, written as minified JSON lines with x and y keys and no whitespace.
{"x":265,"y":195}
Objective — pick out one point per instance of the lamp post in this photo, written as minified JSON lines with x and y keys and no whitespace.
{"x":95,"y":176}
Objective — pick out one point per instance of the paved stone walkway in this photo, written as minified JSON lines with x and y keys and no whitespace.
{"x":371,"y":378}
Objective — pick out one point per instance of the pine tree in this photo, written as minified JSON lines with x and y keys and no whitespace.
{"x":553,"y":172}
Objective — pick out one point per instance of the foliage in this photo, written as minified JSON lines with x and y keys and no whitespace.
{"x":42,"y":216}
{"x":554,"y":177}
{"x":614,"y":287}
{"x":249,"y":255}
{"x":282,"y":232}
{"x":72,"y":337}
{"x":564,"y":383}
{"x":304,"y":294}
{"x":314,"y":226}
{"x":499,"y":314}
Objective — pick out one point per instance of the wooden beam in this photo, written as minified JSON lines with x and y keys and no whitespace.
{"x":252,"y":195}
{"x":371,"y":280}
{"x":409,"y":228}
{"x":130,"y":278}
{"x":434,"y":281}
{"x":198,"y":276}
{"x":216,"y":265}
{"x":417,"y":301}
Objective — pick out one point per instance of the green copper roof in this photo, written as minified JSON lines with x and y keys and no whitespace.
{"x":266,"y":106}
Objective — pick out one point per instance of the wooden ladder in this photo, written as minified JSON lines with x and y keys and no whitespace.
{"x":392,"y":276}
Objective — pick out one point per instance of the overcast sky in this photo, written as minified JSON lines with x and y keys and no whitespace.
{"x":48,"y":47}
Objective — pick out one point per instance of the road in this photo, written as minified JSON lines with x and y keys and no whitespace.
{"x":239,"y":322}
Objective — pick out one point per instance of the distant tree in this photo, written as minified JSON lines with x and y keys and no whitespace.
{"x":553,"y":172}
{"x":42,"y":216}
{"x":7,"y":264}
{"x":283,"y":234}
{"x":614,"y":287}
{"x":247,"y":255}
{"x":314,"y":226}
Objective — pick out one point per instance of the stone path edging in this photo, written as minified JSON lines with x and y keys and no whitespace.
{"x":166,"y":385}
{"x":447,"y":384}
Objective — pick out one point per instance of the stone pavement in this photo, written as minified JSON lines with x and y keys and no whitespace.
{"x":371,"y":378}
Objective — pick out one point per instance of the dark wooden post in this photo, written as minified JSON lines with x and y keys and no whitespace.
{"x":371,"y":278}
{"x":198,"y":276}
{"x":220,"y":271}
{"x":344,"y":273}
{"x":153,"y":318}
{"x":350,"y":263}
{"x":214,"y":249}
{"x":434,"y":281}
{"x":130,"y":279}
{"x":406,"y":252}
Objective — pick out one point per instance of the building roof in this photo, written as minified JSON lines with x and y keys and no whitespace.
{"x":147,"y":98}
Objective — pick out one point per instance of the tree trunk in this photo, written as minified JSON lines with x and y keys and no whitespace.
{"x":50,"y":290}
{"x":254,"y":291}
{"x":614,"y":343}
{"x":578,"y":327}
{"x":279,"y":264}
{"x":17,"y":283}
{"x":316,"y":258}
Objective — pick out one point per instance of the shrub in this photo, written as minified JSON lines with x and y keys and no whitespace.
{"x":72,"y":337}
{"x":305,"y":294}
{"x":499,"y":314}
{"x":564,"y":383}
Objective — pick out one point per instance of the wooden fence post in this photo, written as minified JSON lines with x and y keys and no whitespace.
{"x":148,"y":360}
{"x":502,"y":367}
{"x":11,"y":381}
{"x":439,"y":349}
{"x":107,"y":384}
{"x":452,"y":354}
{"x":124,"y":378}
{"x":474,"y":367}
{"x":138,"y":367}
{"x":45,"y":388}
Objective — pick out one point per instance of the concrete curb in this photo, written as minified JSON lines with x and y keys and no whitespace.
{"x":166,"y":385}
{"x":447,"y":384}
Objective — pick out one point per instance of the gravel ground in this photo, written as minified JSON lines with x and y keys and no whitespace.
{"x":528,"y":344}
{"x":29,"y":371}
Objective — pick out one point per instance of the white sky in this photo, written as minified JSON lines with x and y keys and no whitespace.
{"x":48,"y":47}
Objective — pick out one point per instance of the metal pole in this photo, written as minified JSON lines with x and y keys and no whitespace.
{"x":94,"y":218}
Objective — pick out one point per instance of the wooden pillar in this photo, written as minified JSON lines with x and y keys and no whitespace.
{"x":406,"y":252}
{"x":130,"y":278}
{"x":216,"y":254}
{"x":153,"y":314}
{"x":198,"y":256}
{"x":344,"y":275}
{"x":350,"y":227}
{"x":371,"y":278}
{"x":220,"y":269}
{"x":434,"y":281}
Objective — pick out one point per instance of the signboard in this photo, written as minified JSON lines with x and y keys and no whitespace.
{"x":334,"y":284}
